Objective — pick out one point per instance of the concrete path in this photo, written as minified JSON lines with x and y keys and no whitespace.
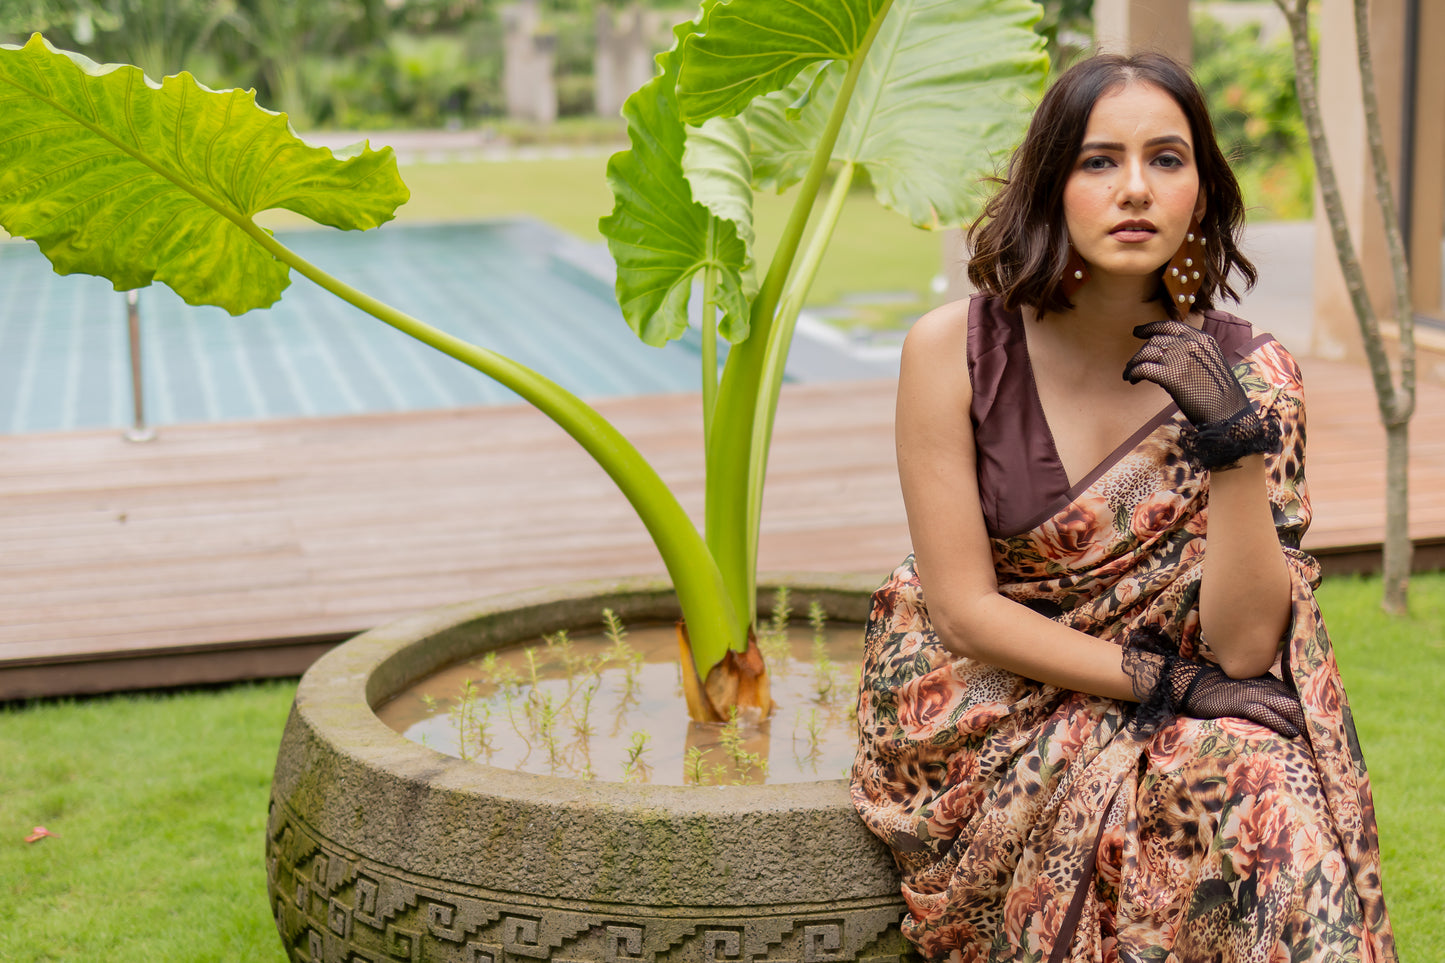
{"x":1282,"y":303}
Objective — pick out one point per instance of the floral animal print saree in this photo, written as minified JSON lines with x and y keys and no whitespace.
{"x":1032,"y":823}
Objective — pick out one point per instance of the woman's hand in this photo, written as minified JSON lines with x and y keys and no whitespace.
{"x":1203,"y":691}
{"x":1165,"y":684}
{"x":1190,"y":365}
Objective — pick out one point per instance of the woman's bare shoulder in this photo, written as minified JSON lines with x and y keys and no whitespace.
{"x":933,"y":372}
{"x":940,"y":336}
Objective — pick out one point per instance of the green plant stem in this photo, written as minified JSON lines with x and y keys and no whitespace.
{"x":730,"y":534}
{"x":709,"y":342}
{"x":780,"y":341}
{"x":712,"y":621}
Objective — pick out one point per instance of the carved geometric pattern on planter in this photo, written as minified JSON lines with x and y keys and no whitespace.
{"x":624,"y":943}
{"x":402,"y":944}
{"x":822,"y":942}
{"x":338,"y":919}
{"x":722,"y":944}
{"x":483,"y":953}
{"x":366,"y":892}
{"x":442,"y":922}
{"x":761,"y":936}
{"x":519,"y":936}
{"x":333,"y":905}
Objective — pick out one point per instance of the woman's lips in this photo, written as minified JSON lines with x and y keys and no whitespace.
{"x":1133,"y":232}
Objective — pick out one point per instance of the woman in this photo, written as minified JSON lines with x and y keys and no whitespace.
{"x":1116,"y":731}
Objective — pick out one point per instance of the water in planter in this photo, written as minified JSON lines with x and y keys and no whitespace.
{"x":609,"y":705}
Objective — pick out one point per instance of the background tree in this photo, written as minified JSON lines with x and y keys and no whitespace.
{"x":1068,"y":31}
{"x":1396,"y":399}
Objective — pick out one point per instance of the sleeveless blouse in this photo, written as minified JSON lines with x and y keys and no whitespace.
{"x":1021,"y":480}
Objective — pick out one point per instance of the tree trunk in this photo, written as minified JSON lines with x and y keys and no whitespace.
{"x":1398,"y":549}
{"x":1396,"y":402}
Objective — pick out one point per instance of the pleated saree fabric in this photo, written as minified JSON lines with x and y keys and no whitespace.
{"x":1032,"y":823}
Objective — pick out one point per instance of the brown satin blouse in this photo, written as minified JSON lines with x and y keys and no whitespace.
{"x":1021,"y":481}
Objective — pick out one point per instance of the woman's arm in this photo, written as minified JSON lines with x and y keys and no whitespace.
{"x":1244,"y":603}
{"x":938,"y":473}
{"x":1244,"y":594}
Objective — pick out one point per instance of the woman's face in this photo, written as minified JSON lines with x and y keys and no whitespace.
{"x":1134,"y":185}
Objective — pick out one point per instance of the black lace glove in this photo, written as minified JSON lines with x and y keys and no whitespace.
{"x":1166,"y":685}
{"x":1190,"y":365}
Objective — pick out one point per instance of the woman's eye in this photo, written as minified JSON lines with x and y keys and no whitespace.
{"x":1096,"y":163}
{"x":1169,"y":160}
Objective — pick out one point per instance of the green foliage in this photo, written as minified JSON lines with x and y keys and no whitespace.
{"x":168,"y":175}
{"x":660,"y":237}
{"x":321,"y":61}
{"x":748,"y":48}
{"x":430,"y":72}
{"x":1063,"y":21}
{"x":766,"y":95}
{"x":955,"y":55}
{"x":1250,"y":89}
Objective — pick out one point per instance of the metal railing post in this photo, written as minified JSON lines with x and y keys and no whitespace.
{"x":139,"y":430}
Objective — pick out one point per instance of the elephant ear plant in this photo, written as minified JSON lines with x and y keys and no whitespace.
{"x":114,"y":175}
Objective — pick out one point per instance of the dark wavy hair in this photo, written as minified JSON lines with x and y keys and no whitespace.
{"x":1020,"y":242}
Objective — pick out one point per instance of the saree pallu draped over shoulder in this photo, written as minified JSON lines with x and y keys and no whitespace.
{"x":1032,"y":823}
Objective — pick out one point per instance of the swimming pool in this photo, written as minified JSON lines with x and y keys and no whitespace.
{"x":518,"y":287}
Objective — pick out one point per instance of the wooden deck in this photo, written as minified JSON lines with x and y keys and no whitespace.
{"x":231,"y":551}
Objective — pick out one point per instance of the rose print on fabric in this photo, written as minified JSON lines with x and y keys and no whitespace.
{"x":1225,"y":841}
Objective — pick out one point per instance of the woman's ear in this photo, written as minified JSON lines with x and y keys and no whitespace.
{"x":1199,"y":206}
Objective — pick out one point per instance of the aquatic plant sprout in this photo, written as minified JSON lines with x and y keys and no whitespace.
{"x":527,"y":708}
{"x":116,"y":175}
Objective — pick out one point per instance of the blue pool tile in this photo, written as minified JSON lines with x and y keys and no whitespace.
{"x":64,"y":351}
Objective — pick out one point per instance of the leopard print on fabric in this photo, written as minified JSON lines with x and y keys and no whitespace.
{"x":1213,"y":840}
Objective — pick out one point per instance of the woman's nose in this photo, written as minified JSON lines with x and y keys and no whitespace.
{"x":1134,"y":190}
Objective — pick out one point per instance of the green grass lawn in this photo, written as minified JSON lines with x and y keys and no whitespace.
{"x":158,"y":803}
{"x":1393,"y":670}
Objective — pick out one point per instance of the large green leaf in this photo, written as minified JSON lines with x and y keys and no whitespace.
{"x":114,"y":175}
{"x":747,"y":48}
{"x":719,"y":169}
{"x":718,"y":165}
{"x":660,"y":236}
{"x":945,"y":93}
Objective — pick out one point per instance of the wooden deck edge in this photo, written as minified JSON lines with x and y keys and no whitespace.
{"x":105,"y":672}
{"x":1365,"y":558}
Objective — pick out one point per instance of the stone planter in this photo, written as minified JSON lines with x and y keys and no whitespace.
{"x":378,"y":848}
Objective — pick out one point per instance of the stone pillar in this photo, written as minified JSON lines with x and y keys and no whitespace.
{"x":623,"y":60}
{"x":528,"y":58}
{"x":648,"y":31}
{"x":607,"y":98}
{"x":1337,"y":333}
{"x":1427,"y":216}
{"x":1128,"y":26}
{"x":954,"y":266}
